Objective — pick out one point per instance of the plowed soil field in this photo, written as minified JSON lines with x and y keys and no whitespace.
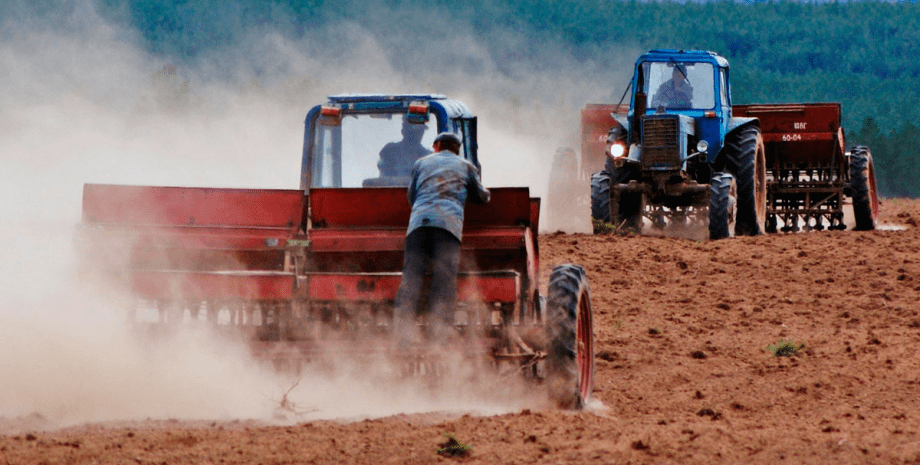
{"x":684,"y":372}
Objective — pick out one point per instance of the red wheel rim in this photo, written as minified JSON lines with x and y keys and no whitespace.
{"x":585,"y":356}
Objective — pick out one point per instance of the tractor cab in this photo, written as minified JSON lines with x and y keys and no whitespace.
{"x":679,"y":151}
{"x":685,"y":91}
{"x":374,"y":140}
{"x":678,"y":86}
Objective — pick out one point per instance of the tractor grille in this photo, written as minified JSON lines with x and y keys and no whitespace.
{"x":660,"y":143}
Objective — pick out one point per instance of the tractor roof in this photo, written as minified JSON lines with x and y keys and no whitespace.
{"x":368,"y":102}
{"x":350,"y":98}
{"x":665,"y":54}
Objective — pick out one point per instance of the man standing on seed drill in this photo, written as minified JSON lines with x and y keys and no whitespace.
{"x":441,"y":184}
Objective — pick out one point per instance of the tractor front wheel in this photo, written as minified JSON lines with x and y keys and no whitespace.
{"x":569,"y":331}
{"x":722,"y":201}
{"x":600,"y":196}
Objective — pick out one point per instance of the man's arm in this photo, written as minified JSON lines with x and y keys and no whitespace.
{"x":660,"y":97}
{"x":411,"y":192}
{"x":688,"y":91}
{"x":476,"y":192}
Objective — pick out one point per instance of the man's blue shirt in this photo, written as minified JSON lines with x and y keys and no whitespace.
{"x":441,"y":184}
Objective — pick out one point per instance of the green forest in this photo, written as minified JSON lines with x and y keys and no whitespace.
{"x":863,"y":54}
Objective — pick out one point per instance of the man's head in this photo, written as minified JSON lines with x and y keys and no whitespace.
{"x":679,"y":73}
{"x":413,"y":132}
{"x":447,"y":141}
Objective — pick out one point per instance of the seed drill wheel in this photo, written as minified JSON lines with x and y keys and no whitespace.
{"x":862,"y":184}
{"x":722,"y":202}
{"x":570,"y":355}
{"x":746,"y":161}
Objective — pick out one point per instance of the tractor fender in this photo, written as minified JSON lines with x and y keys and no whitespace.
{"x":734,"y":125}
{"x":618,"y":133}
{"x":619,"y":130}
{"x":736,"y":122}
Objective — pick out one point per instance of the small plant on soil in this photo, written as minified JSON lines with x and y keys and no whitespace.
{"x":453,"y":448}
{"x":784,"y":348}
{"x":603,"y":227}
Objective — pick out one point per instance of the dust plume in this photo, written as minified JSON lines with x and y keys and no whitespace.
{"x":84,"y":102}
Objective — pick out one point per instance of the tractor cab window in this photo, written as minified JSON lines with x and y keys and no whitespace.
{"x":369,"y":150}
{"x":679,"y":86}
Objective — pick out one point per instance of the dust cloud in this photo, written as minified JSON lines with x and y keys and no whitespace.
{"x":85,"y":103}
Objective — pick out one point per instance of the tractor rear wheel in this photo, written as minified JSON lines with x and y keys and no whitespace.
{"x":862,"y":184}
{"x":569,"y":331}
{"x":746,"y":161}
{"x":722,"y":201}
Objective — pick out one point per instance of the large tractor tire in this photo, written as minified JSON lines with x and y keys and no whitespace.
{"x":722,"y":205}
{"x":862,"y":185}
{"x":569,"y":332}
{"x":745,"y":159}
{"x":600,"y":196}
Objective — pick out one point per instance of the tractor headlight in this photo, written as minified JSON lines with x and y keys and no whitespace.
{"x":617,"y":150}
{"x":702,"y":146}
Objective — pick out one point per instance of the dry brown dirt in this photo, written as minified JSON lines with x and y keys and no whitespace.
{"x":683,"y":371}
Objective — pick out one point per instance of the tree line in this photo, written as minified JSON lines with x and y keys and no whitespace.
{"x":859,"y":53}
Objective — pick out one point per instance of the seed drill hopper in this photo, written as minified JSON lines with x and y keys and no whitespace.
{"x":810,"y":174}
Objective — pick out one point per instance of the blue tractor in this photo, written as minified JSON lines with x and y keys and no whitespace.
{"x":679,"y":158}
